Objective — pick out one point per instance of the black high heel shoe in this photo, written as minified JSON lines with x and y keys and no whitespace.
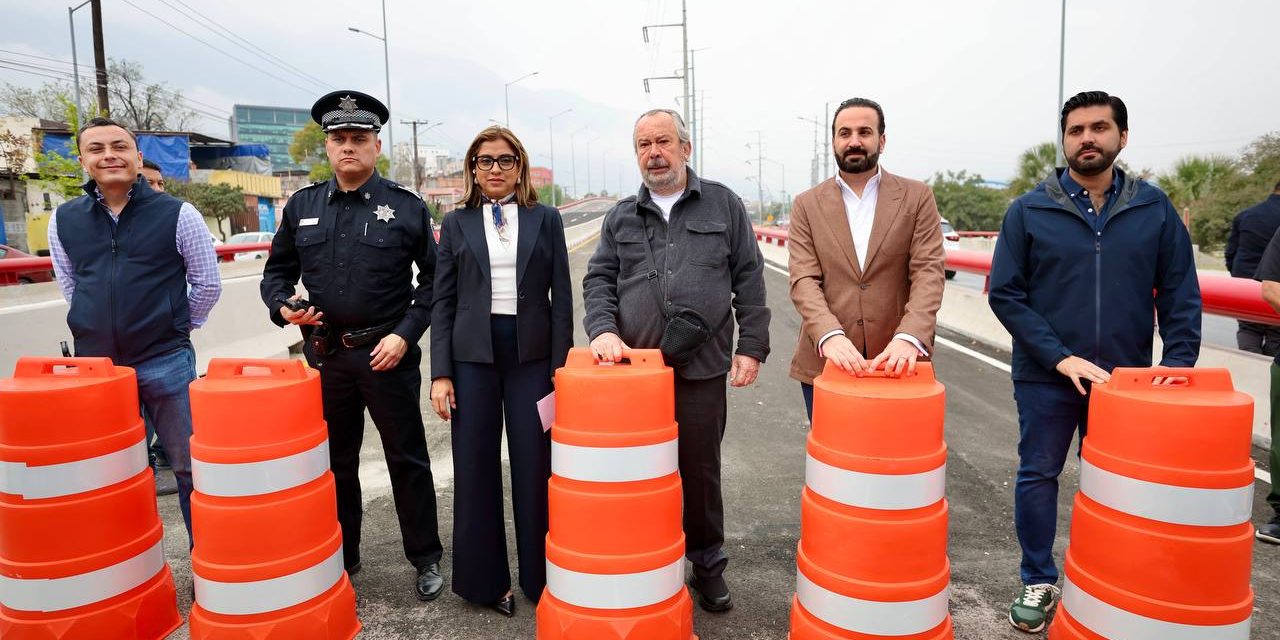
{"x":506,"y":606}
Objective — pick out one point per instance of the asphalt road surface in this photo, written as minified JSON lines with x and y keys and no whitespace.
{"x":763,"y":476}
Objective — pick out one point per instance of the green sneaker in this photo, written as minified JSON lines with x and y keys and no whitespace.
{"x":1034,"y":607}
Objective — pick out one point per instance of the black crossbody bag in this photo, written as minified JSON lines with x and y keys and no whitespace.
{"x":686,"y":330}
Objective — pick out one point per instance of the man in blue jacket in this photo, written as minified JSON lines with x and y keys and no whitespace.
{"x":1072,"y":278}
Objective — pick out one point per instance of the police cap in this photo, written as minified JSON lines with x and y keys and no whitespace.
{"x":348,"y":109}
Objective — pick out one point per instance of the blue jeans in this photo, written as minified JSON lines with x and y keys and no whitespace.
{"x":1049,"y":416}
{"x":162,"y":391}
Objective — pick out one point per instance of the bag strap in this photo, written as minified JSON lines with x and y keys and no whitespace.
{"x":653,"y":274}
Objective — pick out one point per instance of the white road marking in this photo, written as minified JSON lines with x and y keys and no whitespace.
{"x":986,"y":359}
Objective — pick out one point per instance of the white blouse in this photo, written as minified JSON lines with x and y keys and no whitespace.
{"x":502,"y":256}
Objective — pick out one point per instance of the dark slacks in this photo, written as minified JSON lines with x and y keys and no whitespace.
{"x":1273,"y":497}
{"x":700,"y":412}
{"x":1050,"y":415}
{"x":485,"y":394}
{"x":349,"y":387}
{"x":1256,"y":337}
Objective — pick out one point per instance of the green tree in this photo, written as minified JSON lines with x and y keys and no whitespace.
{"x":544,"y":194}
{"x":55,"y":173}
{"x":1255,"y":175}
{"x":967,"y":203}
{"x":1033,"y":165}
{"x":307,"y":149}
{"x":217,"y":201}
{"x":1195,"y":177}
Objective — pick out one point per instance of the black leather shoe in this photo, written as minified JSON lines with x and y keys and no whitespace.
{"x":429,"y":583}
{"x":506,"y":606}
{"x":354,"y":569}
{"x":712,"y":594}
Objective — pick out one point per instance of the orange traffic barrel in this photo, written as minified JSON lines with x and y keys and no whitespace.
{"x":1161,"y":543}
{"x":81,"y":541}
{"x":872,"y":559}
{"x":268,"y":547}
{"x":615,"y":549}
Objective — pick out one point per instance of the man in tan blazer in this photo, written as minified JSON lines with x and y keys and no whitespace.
{"x":866,"y":259}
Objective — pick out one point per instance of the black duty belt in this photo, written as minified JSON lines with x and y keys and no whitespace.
{"x":355,"y":338}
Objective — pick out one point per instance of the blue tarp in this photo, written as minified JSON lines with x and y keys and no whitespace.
{"x":172,"y":153}
{"x":250,"y":158}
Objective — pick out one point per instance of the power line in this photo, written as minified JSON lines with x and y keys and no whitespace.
{"x":241,"y":42}
{"x":215,"y":48}
{"x":57,"y":74}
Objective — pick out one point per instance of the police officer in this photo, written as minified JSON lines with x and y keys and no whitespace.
{"x":353,"y":239}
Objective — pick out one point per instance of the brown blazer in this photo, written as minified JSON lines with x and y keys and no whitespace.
{"x":899,"y":292}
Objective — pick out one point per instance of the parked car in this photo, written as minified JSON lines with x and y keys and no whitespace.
{"x":251,"y":237}
{"x":22,"y":277}
{"x":950,"y":240}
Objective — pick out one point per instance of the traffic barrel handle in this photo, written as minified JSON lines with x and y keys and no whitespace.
{"x":30,"y":367}
{"x":582,"y":358}
{"x":923,"y":370}
{"x":1144,"y":378}
{"x":224,"y":368}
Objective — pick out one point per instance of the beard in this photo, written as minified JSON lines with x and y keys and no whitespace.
{"x":850,"y":162}
{"x":1097,"y":165}
{"x":660,"y":183}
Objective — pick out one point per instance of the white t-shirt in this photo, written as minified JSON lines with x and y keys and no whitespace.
{"x":665,"y":203}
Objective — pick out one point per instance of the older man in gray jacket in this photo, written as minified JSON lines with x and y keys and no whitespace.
{"x":707,"y":261}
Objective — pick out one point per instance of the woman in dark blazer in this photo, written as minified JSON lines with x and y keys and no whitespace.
{"x":501,"y":324}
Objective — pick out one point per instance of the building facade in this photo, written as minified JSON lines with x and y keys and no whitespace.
{"x":272,"y":126}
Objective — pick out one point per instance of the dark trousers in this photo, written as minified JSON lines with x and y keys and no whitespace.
{"x":806,"y":390}
{"x":485,"y":394}
{"x":1256,"y":337}
{"x":350,"y":386}
{"x":1273,"y":498}
{"x":1049,"y":417}
{"x":700,"y":412}
{"x":166,"y":405}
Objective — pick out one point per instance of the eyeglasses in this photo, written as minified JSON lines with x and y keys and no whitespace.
{"x":485,"y":163}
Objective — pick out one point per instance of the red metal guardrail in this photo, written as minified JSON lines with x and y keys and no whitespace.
{"x":12,"y":268}
{"x":1220,"y":295}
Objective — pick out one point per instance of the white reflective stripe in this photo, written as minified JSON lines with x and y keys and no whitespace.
{"x":69,"y":478}
{"x":1167,"y":503}
{"x":869,"y":616}
{"x":615,"y":464}
{"x":875,"y":491}
{"x":615,"y":591}
{"x":60,"y":594}
{"x":1113,"y":622}
{"x":273,"y":594}
{"x":234,"y":480}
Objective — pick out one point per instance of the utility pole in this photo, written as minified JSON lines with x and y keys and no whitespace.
{"x":573,"y":158}
{"x":100,"y":57}
{"x":589,"y":163}
{"x":684,"y":29}
{"x":417,"y":167}
{"x":759,"y":174}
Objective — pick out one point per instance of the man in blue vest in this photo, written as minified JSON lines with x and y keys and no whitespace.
{"x":139,"y":272}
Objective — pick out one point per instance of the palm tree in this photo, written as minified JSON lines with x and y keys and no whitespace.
{"x":1033,"y":165}
{"x":1195,"y":177}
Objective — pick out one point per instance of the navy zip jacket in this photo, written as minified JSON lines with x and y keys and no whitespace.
{"x":1063,"y":289}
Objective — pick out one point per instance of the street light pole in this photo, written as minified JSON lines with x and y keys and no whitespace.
{"x":573,"y":157}
{"x":759,"y":176}
{"x":75,"y":60}
{"x":551,"y":134}
{"x":1062,"y":67}
{"x":589,"y":163}
{"x":506,"y":95}
{"x":386,"y":67}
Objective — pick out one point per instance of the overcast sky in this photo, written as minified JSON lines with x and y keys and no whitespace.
{"x":965,"y":84}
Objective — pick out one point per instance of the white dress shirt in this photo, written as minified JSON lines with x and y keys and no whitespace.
{"x":861,"y":213}
{"x":502,"y":257}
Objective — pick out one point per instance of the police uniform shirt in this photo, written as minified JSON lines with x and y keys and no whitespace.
{"x":353,"y":251}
